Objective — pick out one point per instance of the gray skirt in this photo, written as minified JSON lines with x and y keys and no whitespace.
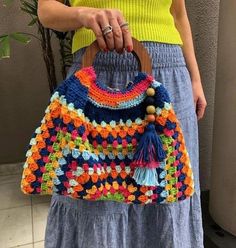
{"x":73,"y":223}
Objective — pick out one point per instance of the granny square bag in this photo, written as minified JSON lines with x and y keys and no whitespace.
{"x":95,"y":143}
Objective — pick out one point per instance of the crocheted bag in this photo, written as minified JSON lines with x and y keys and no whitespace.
{"x":95,"y":143}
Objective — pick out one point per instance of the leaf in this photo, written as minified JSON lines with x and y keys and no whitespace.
{"x":28,"y":11}
{"x":30,"y":6}
{"x":3,"y":35}
{"x":67,"y":55}
{"x":67,"y":46}
{"x":4,"y":47}
{"x":33,"y":21}
{"x":20,"y":37}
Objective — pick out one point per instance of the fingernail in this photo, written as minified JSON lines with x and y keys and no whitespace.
{"x":129,"y":49}
{"x":106,"y":49}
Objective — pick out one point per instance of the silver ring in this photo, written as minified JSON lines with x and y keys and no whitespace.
{"x":124,"y":24}
{"x":106,"y":29}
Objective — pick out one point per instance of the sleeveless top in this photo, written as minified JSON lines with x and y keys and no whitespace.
{"x":148,"y":20}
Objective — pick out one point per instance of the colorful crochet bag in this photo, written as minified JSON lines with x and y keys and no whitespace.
{"x":95,"y":143}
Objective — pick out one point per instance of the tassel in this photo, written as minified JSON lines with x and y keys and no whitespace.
{"x":148,"y":156}
{"x":146,"y":176}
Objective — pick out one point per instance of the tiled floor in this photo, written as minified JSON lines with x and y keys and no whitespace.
{"x":215,"y":236}
{"x":23,"y":217}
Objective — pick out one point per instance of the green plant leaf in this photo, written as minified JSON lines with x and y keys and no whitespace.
{"x":30,"y":12}
{"x":30,"y":5}
{"x":33,"y":21}
{"x":4,"y":47}
{"x":29,"y":8}
{"x":3,"y":35}
{"x":20,"y":37}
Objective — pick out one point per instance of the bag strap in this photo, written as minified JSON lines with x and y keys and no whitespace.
{"x":139,"y":51}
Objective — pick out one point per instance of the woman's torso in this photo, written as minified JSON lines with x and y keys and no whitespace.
{"x":148,"y":20}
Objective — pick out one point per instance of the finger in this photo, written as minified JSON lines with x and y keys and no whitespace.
{"x":117,"y":35}
{"x":104,"y":21}
{"x":109,"y":40}
{"x":200,"y":111}
{"x":127,"y":37}
{"x":99,"y":36}
{"x":195,"y":105}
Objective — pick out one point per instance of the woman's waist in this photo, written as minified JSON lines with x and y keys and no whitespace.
{"x":162,"y":55}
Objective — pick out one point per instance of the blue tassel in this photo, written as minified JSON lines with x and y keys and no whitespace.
{"x":146,"y":176}
{"x":150,"y":149}
{"x":148,"y":156}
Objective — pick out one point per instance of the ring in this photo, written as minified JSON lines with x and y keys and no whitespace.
{"x":124,"y":24}
{"x":107,"y":29}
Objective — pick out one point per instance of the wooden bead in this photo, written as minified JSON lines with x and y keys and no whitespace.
{"x":150,"y":92}
{"x":149,"y":100}
{"x":151,"y":109}
{"x":150,"y":118}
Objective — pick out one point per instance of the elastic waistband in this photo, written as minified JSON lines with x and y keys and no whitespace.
{"x":162,"y":55}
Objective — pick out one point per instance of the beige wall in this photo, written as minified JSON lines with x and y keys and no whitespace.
{"x":223,"y":183}
{"x":204,"y":15}
{"x":24,"y":92}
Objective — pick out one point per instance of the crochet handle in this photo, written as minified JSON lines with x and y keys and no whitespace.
{"x":139,"y":51}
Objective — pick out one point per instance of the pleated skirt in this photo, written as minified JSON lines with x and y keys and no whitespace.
{"x":73,"y":223}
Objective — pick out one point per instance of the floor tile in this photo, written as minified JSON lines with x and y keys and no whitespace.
{"x":10,"y":178}
{"x":212,"y":231}
{"x":39,"y":244}
{"x":40,"y":212}
{"x":11,"y":168}
{"x":15,"y":227}
{"x":12,"y":196}
{"x":23,"y":246}
{"x":15,"y":180}
{"x":36,"y":199}
{"x":27,"y":246}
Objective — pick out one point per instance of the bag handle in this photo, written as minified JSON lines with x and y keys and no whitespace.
{"x":139,"y":51}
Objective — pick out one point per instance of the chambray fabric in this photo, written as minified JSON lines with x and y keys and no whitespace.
{"x":73,"y":223}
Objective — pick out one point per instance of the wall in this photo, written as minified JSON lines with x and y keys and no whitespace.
{"x":223,"y":184}
{"x":24,"y":92}
{"x":204,"y":15}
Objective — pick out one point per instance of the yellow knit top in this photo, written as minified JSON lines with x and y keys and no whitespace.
{"x":149,"y":20}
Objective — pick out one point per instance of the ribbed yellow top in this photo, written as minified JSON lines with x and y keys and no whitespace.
{"x":149,"y":20}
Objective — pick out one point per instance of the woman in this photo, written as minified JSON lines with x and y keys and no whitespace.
{"x":163,"y":28}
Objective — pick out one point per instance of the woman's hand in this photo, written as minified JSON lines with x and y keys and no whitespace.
{"x":56,"y":15}
{"x":199,"y":99}
{"x":96,"y":19}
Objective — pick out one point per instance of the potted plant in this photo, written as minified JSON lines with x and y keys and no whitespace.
{"x":44,"y":37}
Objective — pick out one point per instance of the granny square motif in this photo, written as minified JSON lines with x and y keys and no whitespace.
{"x":95,"y":143}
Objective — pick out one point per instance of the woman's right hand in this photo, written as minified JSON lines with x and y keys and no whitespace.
{"x":96,"y":19}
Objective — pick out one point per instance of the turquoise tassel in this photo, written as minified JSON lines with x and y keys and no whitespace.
{"x":146,"y":176}
{"x":148,"y":156}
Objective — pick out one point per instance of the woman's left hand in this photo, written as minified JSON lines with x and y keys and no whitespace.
{"x":199,"y":99}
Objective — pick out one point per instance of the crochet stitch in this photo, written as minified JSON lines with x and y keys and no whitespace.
{"x":95,"y":143}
